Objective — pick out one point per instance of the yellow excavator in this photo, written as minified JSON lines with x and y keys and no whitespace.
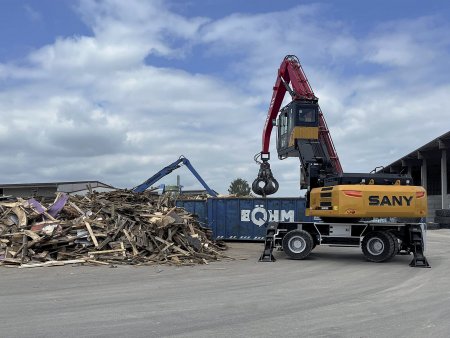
{"x":353,"y":207}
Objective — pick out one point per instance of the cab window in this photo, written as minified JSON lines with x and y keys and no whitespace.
{"x":307,"y":115}
{"x":284,"y":123}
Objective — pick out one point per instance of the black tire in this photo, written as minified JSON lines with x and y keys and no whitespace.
{"x":442,"y":220}
{"x":443,"y":212}
{"x":378,"y":246}
{"x":396,"y":244}
{"x":297,"y":244}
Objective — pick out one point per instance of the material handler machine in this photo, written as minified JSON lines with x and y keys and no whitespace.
{"x":349,"y":205}
{"x":167,"y":170}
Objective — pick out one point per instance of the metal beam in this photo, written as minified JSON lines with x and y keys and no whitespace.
{"x":443,"y":144}
{"x":423,"y":174}
{"x":430,"y":155}
{"x":444,"y":178}
{"x":411,"y":162}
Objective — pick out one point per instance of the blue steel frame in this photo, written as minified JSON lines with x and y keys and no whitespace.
{"x":167,"y":170}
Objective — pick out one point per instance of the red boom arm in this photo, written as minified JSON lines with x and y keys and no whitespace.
{"x":291,"y":71}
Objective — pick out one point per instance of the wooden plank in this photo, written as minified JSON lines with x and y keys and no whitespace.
{"x":104,"y":251}
{"x":93,"y":261}
{"x":175,"y":247}
{"x":73,"y":205}
{"x":24,"y":249}
{"x":34,"y":236}
{"x":133,"y":246}
{"x":11,"y":260}
{"x":121,"y":223}
{"x":21,"y":215}
{"x":15,"y":253}
{"x":124,"y":254}
{"x":52,"y":263}
{"x":104,"y":242}
{"x":49,"y":216}
{"x":91,"y":233}
{"x":191,"y":229}
{"x":167,"y":247}
{"x":162,"y":240}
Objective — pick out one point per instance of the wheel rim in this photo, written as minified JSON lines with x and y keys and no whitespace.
{"x":297,"y":244}
{"x":375,"y":246}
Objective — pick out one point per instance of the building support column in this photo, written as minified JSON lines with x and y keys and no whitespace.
{"x":444,"y":178}
{"x":423,"y":173}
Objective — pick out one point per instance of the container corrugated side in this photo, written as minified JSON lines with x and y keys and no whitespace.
{"x":246,"y":218}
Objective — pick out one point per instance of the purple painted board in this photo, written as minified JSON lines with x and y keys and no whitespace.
{"x":57,"y":206}
{"x":36,"y":205}
{"x":54,"y":209}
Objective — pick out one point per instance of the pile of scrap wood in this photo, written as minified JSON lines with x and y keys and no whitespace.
{"x":117,"y":227}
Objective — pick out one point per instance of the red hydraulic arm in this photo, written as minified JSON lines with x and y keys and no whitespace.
{"x":291,"y":71}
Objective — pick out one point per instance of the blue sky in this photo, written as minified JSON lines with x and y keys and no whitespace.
{"x":113,"y":90}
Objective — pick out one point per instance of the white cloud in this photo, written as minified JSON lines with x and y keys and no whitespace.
{"x":408,"y":43}
{"x":91,"y":107}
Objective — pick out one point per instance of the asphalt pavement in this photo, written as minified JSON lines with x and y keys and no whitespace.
{"x":333,"y":293}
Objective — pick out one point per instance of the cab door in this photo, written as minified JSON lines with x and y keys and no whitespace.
{"x":283,"y":133}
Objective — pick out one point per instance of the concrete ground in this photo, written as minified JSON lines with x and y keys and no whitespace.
{"x":333,"y":293}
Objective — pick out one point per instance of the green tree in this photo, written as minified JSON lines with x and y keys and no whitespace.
{"x":239,"y":187}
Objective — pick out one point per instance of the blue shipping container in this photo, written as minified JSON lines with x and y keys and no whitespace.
{"x":245,"y":218}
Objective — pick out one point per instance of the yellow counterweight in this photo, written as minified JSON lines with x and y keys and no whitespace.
{"x":361,"y":201}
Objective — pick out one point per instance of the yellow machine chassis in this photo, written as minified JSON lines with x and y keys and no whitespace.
{"x":364,"y":201}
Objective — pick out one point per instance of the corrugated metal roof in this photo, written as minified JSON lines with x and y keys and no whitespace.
{"x":434,"y":145}
{"x":93,"y":184}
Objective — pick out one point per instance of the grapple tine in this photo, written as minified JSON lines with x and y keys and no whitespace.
{"x":265,"y":184}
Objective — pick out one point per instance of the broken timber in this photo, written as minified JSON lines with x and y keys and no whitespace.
{"x":118,"y":227}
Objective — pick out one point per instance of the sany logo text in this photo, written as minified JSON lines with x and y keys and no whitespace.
{"x":259,"y":215}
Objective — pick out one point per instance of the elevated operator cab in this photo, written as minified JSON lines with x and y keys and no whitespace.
{"x":297,"y":121}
